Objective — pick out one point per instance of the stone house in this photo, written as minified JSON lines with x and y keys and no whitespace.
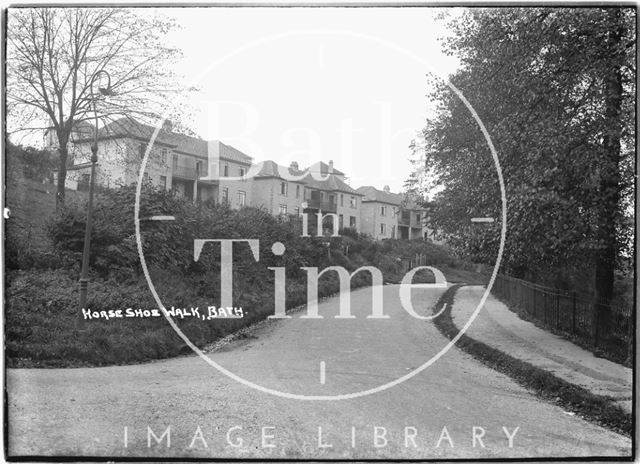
{"x":176,"y":162}
{"x":390,"y":215}
{"x":211,"y":170}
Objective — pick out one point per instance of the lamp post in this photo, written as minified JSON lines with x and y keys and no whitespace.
{"x":84,"y":274}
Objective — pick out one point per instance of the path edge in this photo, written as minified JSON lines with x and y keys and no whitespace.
{"x":602,"y":410}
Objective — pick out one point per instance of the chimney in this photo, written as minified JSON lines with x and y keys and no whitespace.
{"x":294,"y":165}
{"x":386,"y":189}
{"x":167,"y":125}
{"x":330,"y":166}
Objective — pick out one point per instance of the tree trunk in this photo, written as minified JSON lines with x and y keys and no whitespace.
{"x":62,"y":170}
{"x":610,"y":173}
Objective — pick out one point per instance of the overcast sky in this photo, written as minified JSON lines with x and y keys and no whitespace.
{"x":308,"y":84}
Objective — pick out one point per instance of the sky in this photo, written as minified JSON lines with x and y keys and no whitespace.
{"x":309,"y":84}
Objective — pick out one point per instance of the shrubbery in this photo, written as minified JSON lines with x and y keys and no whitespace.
{"x":32,"y":163}
{"x":42,"y":294}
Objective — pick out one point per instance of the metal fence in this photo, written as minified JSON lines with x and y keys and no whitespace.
{"x":574,"y":313}
{"x":416,"y":260}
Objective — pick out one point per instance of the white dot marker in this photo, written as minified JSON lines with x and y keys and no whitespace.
{"x":163,"y":218}
{"x":322,"y":373}
{"x":278,"y":248}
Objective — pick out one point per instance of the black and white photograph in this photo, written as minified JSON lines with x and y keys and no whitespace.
{"x":319,"y":231}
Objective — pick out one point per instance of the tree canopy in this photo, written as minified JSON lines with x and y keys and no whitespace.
{"x":555,"y":88}
{"x":54,"y":55}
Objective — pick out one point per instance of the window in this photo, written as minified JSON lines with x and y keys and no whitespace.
{"x":383,"y":211}
{"x":241,"y":172}
{"x":163,"y":156}
{"x":283,"y":188}
{"x":417,"y":217}
{"x":297,"y":191}
{"x":340,"y":221}
{"x":282,"y":210}
{"x":383,"y":229}
{"x":332,"y":200}
{"x":353,"y":202}
{"x":198,"y":169}
{"x":174,"y":162}
{"x":141,"y":150}
{"x":86,"y":179}
{"x":342,"y":199}
{"x":163,"y":182}
{"x":226,"y":171}
{"x":225,"y":195}
{"x":242,"y":198}
{"x":352,"y":221}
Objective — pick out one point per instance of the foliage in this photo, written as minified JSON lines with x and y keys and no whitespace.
{"x":113,"y":245}
{"x":34,"y":164}
{"x":42,"y":303}
{"x":543,"y":83}
{"x":55,"y":55}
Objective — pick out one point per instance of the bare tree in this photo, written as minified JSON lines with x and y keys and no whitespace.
{"x":54,"y":54}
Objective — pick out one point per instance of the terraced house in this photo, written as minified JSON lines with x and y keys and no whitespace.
{"x":180,"y":163}
{"x":391,"y":215}
{"x":318,"y":189}
{"x":328,"y":192}
{"x":176,"y":162}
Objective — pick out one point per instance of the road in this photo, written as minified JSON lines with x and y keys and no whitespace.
{"x":85,"y":411}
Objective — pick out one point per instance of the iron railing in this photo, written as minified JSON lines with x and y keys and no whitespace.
{"x":574,"y":313}
{"x":324,"y":205}
{"x":184,"y":172}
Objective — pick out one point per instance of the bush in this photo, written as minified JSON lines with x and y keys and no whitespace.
{"x":30,"y":162}
{"x":42,"y":305}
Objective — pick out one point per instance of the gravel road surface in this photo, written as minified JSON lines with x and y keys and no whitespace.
{"x":119,"y":411}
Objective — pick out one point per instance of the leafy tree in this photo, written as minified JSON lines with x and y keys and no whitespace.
{"x":29,"y":162}
{"x":555,"y":89}
{"x":54,"y":54}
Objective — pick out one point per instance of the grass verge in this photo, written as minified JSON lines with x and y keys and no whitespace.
{"x":600,"y":409}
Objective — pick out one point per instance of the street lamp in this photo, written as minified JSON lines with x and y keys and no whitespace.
{"x":84,"y":275}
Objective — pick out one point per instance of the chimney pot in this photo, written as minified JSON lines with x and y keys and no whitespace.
{"x":331,"y":166}
{"x":386,"y":188}
{"x":294,"y":165}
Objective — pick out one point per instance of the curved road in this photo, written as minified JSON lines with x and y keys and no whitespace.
{"x":435,"y":414}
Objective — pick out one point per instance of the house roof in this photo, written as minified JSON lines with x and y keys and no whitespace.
{"x":333,"y":179}
{"x":324,"y":168}
{"x":129,"y":127}
{"x":333,"y":182}
{"x":269,"y":169}
{"x":233,"y":154}
{"x":373,"y":194}
{"x":404,"y":201}
{"x":83,"y":129}
{"x":186,"y":143}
